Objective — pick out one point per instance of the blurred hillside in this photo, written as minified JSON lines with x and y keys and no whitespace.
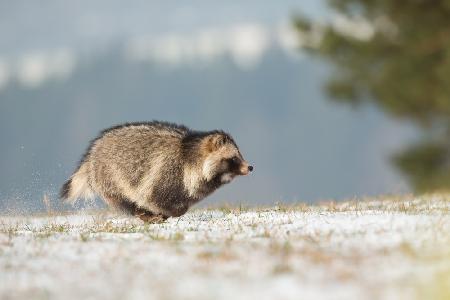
{"x":239,"y":70}
{"x":301,"y":146}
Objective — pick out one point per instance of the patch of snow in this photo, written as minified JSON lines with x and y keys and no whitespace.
{"x":362,"y":253}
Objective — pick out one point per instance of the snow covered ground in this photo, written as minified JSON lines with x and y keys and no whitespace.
{"x":393,"y":248}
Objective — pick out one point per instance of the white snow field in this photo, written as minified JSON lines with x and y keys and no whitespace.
{"x":390,"y":248}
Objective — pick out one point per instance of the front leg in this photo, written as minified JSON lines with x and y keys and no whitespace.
{"x":149,"y":217}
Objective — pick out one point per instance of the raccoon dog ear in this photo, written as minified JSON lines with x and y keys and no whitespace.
{"x":214,"y":142}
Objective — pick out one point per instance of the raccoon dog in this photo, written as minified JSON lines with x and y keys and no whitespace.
{"x":155,"y":170}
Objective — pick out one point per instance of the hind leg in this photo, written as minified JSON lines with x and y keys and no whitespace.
{"x":131,"y":208}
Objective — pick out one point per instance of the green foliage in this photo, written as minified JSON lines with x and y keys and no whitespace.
{"x":402,"y":63}
{"x":426,"y":165}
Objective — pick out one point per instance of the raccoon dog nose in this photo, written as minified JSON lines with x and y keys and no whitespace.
{"x":250,"y":168}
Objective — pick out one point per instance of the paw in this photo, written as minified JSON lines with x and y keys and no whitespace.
{"x":152,"y":218}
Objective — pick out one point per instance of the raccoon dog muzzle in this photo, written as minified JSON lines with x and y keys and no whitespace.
{"x":245,"y":168}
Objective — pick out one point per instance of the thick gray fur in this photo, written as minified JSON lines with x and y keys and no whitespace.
{"x":155,"y":170}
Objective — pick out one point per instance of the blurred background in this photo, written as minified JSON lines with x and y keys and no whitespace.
{"x":328,"y":99}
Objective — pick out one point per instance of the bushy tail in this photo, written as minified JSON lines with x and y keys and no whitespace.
{"x":77,"y":186}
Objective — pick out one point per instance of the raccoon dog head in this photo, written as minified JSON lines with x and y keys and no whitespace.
{"x":223,"y":158}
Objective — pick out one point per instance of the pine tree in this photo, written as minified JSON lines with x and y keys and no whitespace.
{"x":395,"y":54}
